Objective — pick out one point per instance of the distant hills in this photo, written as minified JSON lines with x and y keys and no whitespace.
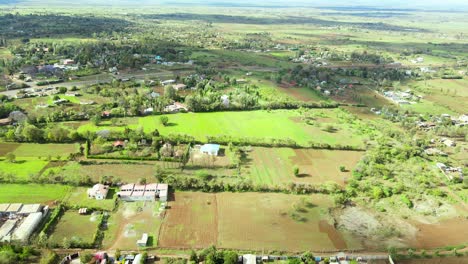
{"x":357,"y":4}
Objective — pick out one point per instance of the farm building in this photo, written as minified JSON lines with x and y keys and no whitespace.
{"x":143,"y":241}
{"x":147,"y":192}
{"x":176,"y":107}
{"x":6,"y":228}
{"x":99,"y":191}
{"x":27,"y":227}
{"x":167,"y":82}
{"x":179,"y":86}
{"x":3,"y":208}
{"x":210,"y":149}
{"x":30,"y":208}
{"x":249,"y":259}
{"x":14,"y":208}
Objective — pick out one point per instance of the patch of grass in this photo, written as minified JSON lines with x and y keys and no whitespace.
{"x":32,"y":193}
{"x":79,"y":197}
{"x":23,"y":167}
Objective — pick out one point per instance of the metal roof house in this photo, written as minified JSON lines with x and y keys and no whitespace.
{"x":99,"y":191}
{"x":148,"y":192}
{"x":143,"y":240}
{"x":210,"y":149}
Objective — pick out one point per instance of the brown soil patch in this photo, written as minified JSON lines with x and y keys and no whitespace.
{"x":323,"y":165}
{"x":52,"y":164}
{"x":333,"y":234}
{"x":6,"y":148}
{"x":191,"y":222}
{"x":449,"y":232}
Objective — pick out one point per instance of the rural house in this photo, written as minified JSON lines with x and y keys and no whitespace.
{"x":99,"y":191}
{"x":5,"y":122}
{"x":167,"y":82}
{"x":210,"y":149}
{"x":179,"y":87}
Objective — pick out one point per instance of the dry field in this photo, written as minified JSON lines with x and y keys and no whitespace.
{"x":191,"y":221}
{"x":129,"y":223}
{"x":275,"y":166}
{"x":249,"y":221}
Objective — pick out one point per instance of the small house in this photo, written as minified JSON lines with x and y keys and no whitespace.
{"x":179,"y":87}
{"x":99,"y":191}
{"x":210,"y":149}
{"x":72,"y":94}
{"x":143,"y":241}
{"x":118,"y":144}
{"x":106,"y":114}
{"x":68,"y":62}
{"x":5,"y":122}
{"x":449,"y":143}
{"x":167,"y":82}
{"x":249,"y":259}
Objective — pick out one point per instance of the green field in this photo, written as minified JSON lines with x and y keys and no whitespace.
{"x":75,"y":227}
{"x":22,"y":167}
{"x":32,"y":193}
{"x":44,"y":150}
{"x":79,"y":197}
{"x":279,"y":124}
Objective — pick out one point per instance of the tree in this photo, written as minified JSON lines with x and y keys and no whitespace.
{"x":230,"y":257}
{"x":96,"y":120}
{"x":66,"y":243}
{"x":142,"y":181}
{"x":117,"y":254}
{"x":86,"y":258}
{"x":296,"y":171}
{"x":170,"y":92}
{"x":10,"y":157}
{"x":342,"y":168}
{"x":193,"y":256}
{"x":164,"y":120}
{"x":62,"y":90}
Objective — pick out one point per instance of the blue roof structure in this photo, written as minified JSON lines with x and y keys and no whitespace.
{"x":210,"y":148}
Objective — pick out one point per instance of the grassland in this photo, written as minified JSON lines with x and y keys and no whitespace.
{"x":251,"y":124}
{"x":75,"y":227}
{"x":79,"y":198}
{"x":442,"y":96}
{"x":32,"y":193}
{"x":275,"y":166}
{"x":129,"y":223}
{"x":22,"y":168}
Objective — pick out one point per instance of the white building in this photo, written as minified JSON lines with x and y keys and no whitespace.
{"x":99,"y":191}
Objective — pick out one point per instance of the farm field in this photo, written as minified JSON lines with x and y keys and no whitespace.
{"x":200,"y":219}
{"x":44,"y":150}
{"x":445,"y":93}
{"x":32,"y":193}
{"x":191,"y":221}
{"x":75,"y":227}
{"x":249,"y":124}
{"x":22,"y":168}
{"x":275,"y":166}
{"x":128,"y":224}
